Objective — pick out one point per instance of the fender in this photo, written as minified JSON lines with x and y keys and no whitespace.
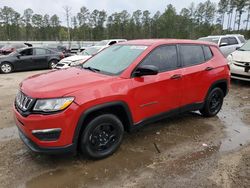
{"x":222,"y":81}
{"x":85,"y":114}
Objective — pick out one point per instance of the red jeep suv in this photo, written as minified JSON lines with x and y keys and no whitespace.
{"x":122,"y":88}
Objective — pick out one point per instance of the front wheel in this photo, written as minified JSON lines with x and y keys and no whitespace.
{"x":53,"y":63}
{"x":213,"y":103}
{"x":102,"y":136}
{"x":6,"y":68}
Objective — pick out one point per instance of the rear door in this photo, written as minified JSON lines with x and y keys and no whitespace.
{"x":40,"y":58}
{"x":196,"y":69}
{"x":156,"y":94}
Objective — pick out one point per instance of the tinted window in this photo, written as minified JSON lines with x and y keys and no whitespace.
{"x":232,"y":41}
{"x":164,"y":57}
{"x":111,"y":43}
{"x":40,"y":51}
{"x":207,"y":52}
{"x":27,"y":52}
{"x":224,"y":40}
{"x":191,"y":55}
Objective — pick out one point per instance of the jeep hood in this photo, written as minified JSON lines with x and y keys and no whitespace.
{"x":62,"y":82}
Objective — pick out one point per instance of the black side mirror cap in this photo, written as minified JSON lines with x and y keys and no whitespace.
{"x":146,"y":70}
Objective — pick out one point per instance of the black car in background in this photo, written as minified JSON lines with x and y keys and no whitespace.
{"x":30,"y":59}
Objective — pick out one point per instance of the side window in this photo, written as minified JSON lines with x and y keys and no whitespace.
{"x":27,"y":52}
{"x":163,"y":57}
{"x":40,"y":51}
{"x":191,"y":55}
{"x":207,"y":52}
{"x":224,"y":42}
{"x":111,"y":43}
{"x":232,"y":41}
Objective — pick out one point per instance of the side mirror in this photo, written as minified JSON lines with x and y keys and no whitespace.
{"x":223,"y":44}
{"x":18,"y":56}
{"x":237,"y":48}
{"x":146,"y":70}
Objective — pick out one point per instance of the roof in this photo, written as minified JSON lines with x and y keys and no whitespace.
{"x":151,"y":42}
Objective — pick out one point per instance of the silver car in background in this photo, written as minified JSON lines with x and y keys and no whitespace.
{"x":227,"y":43}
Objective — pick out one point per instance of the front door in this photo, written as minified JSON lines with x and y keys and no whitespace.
{"x":157,"y":94}
{"x":25,"y":59}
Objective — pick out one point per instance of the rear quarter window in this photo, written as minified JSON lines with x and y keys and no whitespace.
{"x":191,"y":55}
{"x":207,"y":53}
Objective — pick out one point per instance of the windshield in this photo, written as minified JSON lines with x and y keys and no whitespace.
{"x":210,"y":39}
{"x":245,"y":47}
{"x":102,"y":43}
{"x":114,"y":59}
{"x":91,"y":51}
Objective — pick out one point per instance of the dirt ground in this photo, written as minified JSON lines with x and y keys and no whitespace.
{"x":193,"y":151}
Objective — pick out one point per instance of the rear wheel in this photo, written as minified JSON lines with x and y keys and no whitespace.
{"x":102,"y":136}
{"x":53,"y":63}
{"x":6,"y":68}
{"x":213,"y":103}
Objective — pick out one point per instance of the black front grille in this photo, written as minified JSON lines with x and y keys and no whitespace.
{"x":23,"y":102}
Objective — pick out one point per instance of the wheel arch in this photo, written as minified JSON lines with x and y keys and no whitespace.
{"x":222,"y":84}
{"x":118,"y":108}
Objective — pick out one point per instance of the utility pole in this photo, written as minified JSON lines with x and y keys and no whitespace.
{"x":67,"y":10}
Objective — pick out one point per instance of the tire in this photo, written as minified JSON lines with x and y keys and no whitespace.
{"x":213,"y":103}
{"x":102,"y":136}
{"x":52,"y":63}
{"x":6,"y":68}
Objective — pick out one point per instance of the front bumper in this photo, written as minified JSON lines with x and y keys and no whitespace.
{"x":31,"y":127}
{"x":239,"y":72}
{"x":46,"y":150}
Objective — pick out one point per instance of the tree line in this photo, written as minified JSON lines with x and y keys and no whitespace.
{"x":205,"y":18}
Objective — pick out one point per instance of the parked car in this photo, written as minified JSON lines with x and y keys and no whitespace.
{"x":7,"y":49}
{"x":80,"y":58}
{"x":74,"y":48}
{"x":59,"y":48}
{"x":29,"y":59}
{"x":86,"y":45}
{"x":239,"y":62}
{"x":110,"y":42}
{"x":120,"y":89}
{"x":227,"y":43}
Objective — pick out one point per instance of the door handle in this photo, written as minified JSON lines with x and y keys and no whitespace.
{"x":176,"y":76}
{"x":209,"y":68}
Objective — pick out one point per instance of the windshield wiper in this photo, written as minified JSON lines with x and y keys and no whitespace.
{"x":91,"y":69}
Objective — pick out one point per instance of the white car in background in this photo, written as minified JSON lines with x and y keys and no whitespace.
{"x":80,"y":58}
{"x":227,"y":43}
{"x":106,"y":43}
{"x":239,"y":62}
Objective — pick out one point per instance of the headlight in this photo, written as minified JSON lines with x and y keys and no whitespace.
{"x":230,"y":59}
{"x":53,"y":105}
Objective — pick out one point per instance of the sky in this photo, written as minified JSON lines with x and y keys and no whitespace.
{"x":56,"y":6}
